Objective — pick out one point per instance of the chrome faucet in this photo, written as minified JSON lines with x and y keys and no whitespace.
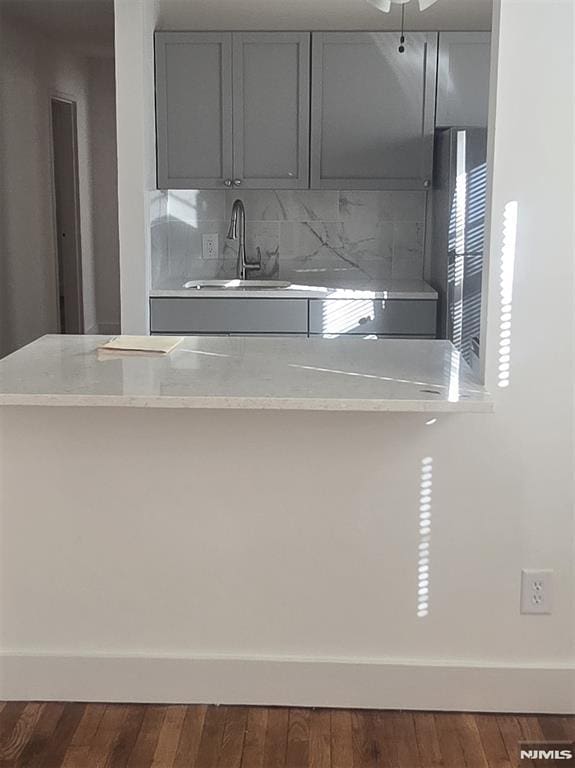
{"x":237,"y":231}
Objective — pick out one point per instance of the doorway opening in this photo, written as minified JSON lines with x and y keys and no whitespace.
{"x":67,"y":215}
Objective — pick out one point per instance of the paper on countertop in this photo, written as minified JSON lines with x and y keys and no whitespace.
{"x":155,"y":344}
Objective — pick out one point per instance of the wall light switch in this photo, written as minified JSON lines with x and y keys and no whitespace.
{"x":210,"y":246}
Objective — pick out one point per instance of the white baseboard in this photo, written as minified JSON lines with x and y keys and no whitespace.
{"x":371,"y":684}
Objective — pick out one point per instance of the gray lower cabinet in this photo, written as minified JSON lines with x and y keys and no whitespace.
{"x":373,"y":110}
{"x":389,"y":317}
{"x":463,"y":79}
{"x":232,"y":110}
{"x":326,"y":317}
{"x":213,"y":316}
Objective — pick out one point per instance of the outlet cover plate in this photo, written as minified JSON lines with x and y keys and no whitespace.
{"x":210,"y":246}
{"x":536,"y":591}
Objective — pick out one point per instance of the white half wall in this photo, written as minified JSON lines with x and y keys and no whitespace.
{"x":273,"y":558}
{"x":179,"y":556}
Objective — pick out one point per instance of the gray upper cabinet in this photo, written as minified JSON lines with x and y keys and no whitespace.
{"x":193,"y":109}
{"x":373,"y":110}
{"x":463,"y":79}
{"x":271,"y":109}
{"x":232,"y":109}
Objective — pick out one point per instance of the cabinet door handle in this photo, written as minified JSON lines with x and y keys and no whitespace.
{"x":227,"y":183}
{"x":237,"y":182}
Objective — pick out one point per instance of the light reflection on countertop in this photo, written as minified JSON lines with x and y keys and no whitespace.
{"x":304,"y":288}
{"x":247,"y":373}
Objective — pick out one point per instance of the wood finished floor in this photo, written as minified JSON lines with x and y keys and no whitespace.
{"x":34,"y":735}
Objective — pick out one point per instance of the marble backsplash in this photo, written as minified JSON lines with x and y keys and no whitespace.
{"x":301,"y":235}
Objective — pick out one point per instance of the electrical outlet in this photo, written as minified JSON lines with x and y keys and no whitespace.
{"x":210,"y":246}
{"x":536,"y":591}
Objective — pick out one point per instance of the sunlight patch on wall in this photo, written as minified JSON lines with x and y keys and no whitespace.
{"x":506,"y":291}
{"x":424,"y":545}
{"x":454,"y":374}
{"x":460,"y":244}
{"x":184,"y":206}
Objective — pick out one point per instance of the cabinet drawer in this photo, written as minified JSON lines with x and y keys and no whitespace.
{"x":390,"y":317}
{"x":191,"y":316}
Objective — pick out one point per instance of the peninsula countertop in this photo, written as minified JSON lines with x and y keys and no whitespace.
{"x":242,"y":373}
{"x":305,"y":288}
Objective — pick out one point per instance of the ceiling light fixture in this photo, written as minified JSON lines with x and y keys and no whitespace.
{"x":385,"y":6}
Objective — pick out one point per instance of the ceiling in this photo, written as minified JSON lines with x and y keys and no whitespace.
{"x":320,"y":14}
{"x":86,"y":25}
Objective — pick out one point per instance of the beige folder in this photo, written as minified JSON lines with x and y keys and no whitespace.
{"x":160,"y":345}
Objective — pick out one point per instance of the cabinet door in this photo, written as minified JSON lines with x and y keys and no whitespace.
{"x":193,"y":109}
{"x":372,"y":110}
{"x":271,"y":110}
{"x":463,"y":79}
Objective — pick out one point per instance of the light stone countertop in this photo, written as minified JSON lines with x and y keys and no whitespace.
{"x":314,"y":374}
{"x":305,"y":289}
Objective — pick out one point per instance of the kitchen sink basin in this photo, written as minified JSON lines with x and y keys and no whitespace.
{"x":242,"y":284}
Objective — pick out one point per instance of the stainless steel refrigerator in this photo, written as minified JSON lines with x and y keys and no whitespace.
{"x":457,"y":229}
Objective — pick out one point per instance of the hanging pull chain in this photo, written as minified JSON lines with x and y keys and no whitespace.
{"x":402,"y":38}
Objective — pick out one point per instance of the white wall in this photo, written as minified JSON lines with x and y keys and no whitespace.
{"x":102,"y":104}
{"x":33,"y":68}
{"x":273,"y":557}
{"x":135,"y":22}
{"x":320,"y":14}
{"x":31,"y":71}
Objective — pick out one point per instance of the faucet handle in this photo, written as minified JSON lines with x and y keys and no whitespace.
{"x":252,"y":266}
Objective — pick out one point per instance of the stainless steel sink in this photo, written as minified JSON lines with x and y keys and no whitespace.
{"x":237,"y":284}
